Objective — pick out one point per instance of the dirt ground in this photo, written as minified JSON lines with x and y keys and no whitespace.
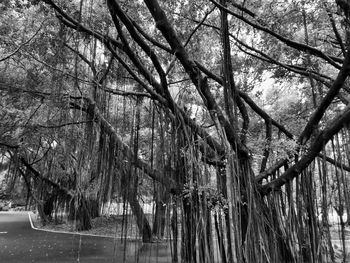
{"x":112,"y":226}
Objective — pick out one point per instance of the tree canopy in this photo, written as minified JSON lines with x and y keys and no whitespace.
{"x":231,"y":116}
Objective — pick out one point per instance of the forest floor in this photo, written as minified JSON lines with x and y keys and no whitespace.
{"x":125,"y":226}
{"x":111,"y":226}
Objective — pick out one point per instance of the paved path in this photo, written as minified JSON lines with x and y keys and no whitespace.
{"x":20,"y":243}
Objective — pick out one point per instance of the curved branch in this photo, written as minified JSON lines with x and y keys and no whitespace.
{"x":149,"y":38}
{"x":172,"y":63}
{"x":270,"y":171}
{"x":125,"y":93}
{"x":334,"y":162}
{"x":243,"y":9}
{"x":136,"y":61}
{"x":47,"y":180}
{"x":248,"y":100}
{"x":296,"y":69}
{"x":61,"y":125}
{"x":134,"y":76}
{"x":315,"y":148}
{"x":327,"y":100}
{"x":91,"y":109}
{"x":296,"y":45}
{"x":70,"y":22}
{"x":163,"y":24}
{"x":335,"y":30}
{"x":115,"y":10}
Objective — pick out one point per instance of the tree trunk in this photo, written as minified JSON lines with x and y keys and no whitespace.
{"x":141,"y":219}
{"x":79,"y":212}
{"x":129,"y":184}
{"x":189,"y":230}
{"x":48,"y":206}
{"x":162,"y":198}
{"x":94,"y":207}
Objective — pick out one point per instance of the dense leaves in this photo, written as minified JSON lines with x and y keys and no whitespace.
{"x":226,"y":115}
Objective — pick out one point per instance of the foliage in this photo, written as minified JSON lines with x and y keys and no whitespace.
{"x":188,"y":103}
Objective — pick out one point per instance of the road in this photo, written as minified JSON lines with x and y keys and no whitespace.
{"x":20,"y":243}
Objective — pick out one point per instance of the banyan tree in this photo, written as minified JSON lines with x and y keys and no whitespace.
{"x":232,"y":117}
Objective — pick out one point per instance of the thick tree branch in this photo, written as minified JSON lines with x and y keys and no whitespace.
{"x":125,"y":93}
{"x":315,"y":148}
{"x":296,"y":69}
{"x":163,"y":24}
{"x":326,"y":101}
{"x":46,"y":180}
{"x":271,"y":170}
{"x":138,"y":63}
{"x":335,"y":30}
{"x":116,"y":10}
{"x":72,"y":23}
{"x":243,"y":9}
{"x":148,"y":76}
{"x":324,"y":79}
{"x":248,"y":100}
{"x":61,"y":124}
{"x":336,"y":163}
{"x":172,"y":63}
{"x":153,"y":94}
{"x":91,"y":109}
{"x":151,"y":39}
{"x":216,"y":113}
